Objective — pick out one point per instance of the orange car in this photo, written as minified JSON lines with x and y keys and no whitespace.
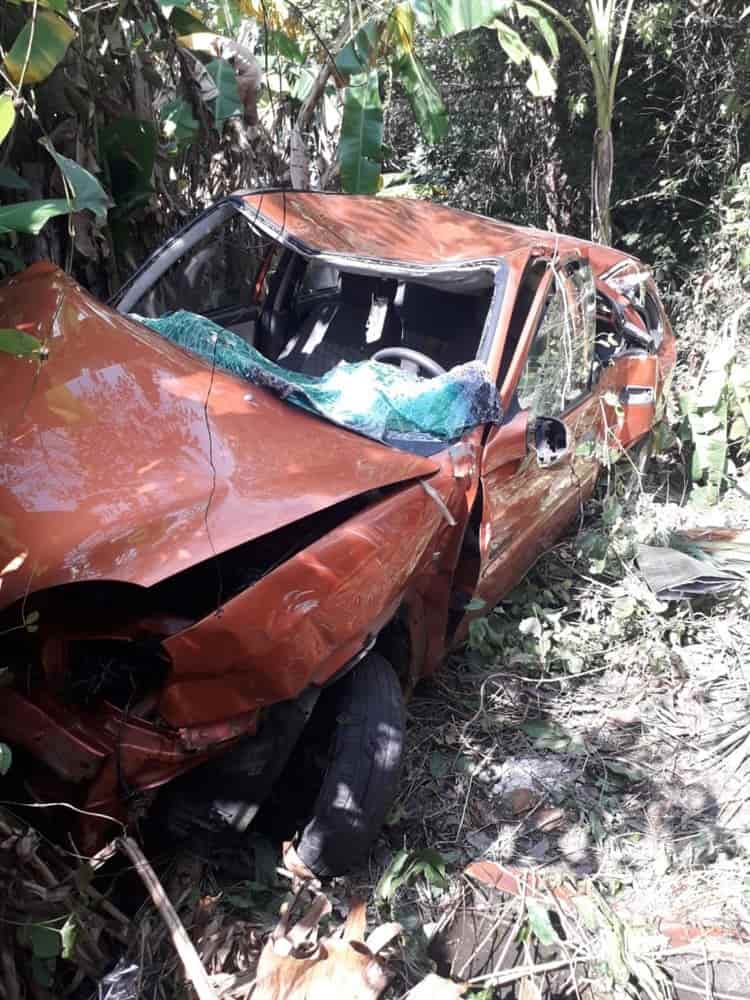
{"x":280,"y":472}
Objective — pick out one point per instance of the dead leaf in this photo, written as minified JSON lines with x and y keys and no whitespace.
{"x":548,"y":819}
{"x":435,"y":987}
{"x":521,"y":800}
{"x":295,"y":965}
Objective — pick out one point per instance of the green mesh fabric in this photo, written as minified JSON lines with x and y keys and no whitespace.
{"x":379,"y":400}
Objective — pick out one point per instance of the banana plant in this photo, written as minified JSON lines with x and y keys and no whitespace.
{"x":716,"y":413}
{"x":82,"y":191}
{"x":38,"y":49}
{"x":388,"y":40}
{"x":602,"y":49}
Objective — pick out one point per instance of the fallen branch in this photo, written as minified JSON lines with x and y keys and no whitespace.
{"x":184,"y":947}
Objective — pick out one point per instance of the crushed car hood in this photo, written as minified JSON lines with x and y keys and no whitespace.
{"x":126,"y":458}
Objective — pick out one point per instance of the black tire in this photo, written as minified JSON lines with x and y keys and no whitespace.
{"x":363,"y":771}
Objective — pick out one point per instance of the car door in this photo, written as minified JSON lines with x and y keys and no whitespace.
{"x":541,"y":463}
{"x":632,"y":373}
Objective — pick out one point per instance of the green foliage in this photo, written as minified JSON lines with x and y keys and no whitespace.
{"x":185,"y":23}
{"x":545,"y":626}
{"x":37,"y":51}
{"x":6,"y":758}
{"x":450,"y":17}
{"x":32,"y":216}
{"x":11,"y":180}
{"x":85,"y":190}
{"x":652,"y":22}
{"x":129,"y":146}
{"x":542,"y":24}
{"x":360,"y":147}
{"x":421,"y":91}
{"x":178,"y":124}
{"x":735,"y":217}
{"x":227,"y":103}
{"x":61,"y":6}
{"x":392,"y":39}
{"x":716,"y":412}
{"x":406,"y":867}
{"x":19,"y":344}
{"x":7,"y":115}
{"x":541,"y":82}
{"x":360,"y":151}
{"x":262,"y":891}
{"x":539,"y":923}
{"x":360,"y":54}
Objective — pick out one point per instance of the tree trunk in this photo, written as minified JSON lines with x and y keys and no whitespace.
{"x":601,"y":186}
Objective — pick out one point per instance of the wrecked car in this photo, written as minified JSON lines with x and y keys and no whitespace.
{"x":306,"y":443}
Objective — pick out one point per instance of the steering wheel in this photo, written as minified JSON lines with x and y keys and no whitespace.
{"x":432,"y":368}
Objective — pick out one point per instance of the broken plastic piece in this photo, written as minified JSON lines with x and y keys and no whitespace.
{"x":673,"y":575}
{"x":375,"y":399}
{"x":121,"y":983}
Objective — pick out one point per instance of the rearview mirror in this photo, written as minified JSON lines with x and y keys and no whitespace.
{"x":550,"y":439}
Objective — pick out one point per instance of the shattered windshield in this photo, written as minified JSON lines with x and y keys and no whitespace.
{"x":312,"y":327}
{"x":378,"y":400}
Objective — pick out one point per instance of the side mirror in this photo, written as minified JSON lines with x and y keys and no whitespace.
{"x":550,"y":439}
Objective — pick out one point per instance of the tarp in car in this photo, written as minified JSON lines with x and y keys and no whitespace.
{"x":378,"y":400}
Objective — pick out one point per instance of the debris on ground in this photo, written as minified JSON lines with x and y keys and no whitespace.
{"x":52,"y":915}
{"x":574,"y":813}
{"x":575,"y":939}
{"x":696,"y":563}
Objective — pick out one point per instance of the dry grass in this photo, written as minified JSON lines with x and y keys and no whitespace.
{"x":607,"y":744}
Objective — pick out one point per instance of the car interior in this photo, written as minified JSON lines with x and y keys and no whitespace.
{"x":308,"y":316}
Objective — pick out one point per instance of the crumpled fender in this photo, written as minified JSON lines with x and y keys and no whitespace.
{"x":304,"y":620}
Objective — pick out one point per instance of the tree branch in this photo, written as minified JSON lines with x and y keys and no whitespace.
{"x":298,"y":157}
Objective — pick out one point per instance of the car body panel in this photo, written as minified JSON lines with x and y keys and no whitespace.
{"x":125,"y":458}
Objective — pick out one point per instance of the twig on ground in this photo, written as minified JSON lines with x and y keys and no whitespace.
{"x":524,"y":971}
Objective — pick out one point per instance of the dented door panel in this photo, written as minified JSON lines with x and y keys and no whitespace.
{"x":633,"y":380}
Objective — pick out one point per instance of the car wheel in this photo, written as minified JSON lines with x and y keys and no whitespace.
{"x":363,"y":769}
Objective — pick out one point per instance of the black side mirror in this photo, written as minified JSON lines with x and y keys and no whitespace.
{"x":550,"y":439}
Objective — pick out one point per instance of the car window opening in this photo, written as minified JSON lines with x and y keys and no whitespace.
{"x":560,"y":359}
{"x":298,"y":320}
{"x":336,"y":316}
{"x":310,"y":315}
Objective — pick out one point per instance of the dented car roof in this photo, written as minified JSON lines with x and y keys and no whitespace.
{"x":400,"y":230}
